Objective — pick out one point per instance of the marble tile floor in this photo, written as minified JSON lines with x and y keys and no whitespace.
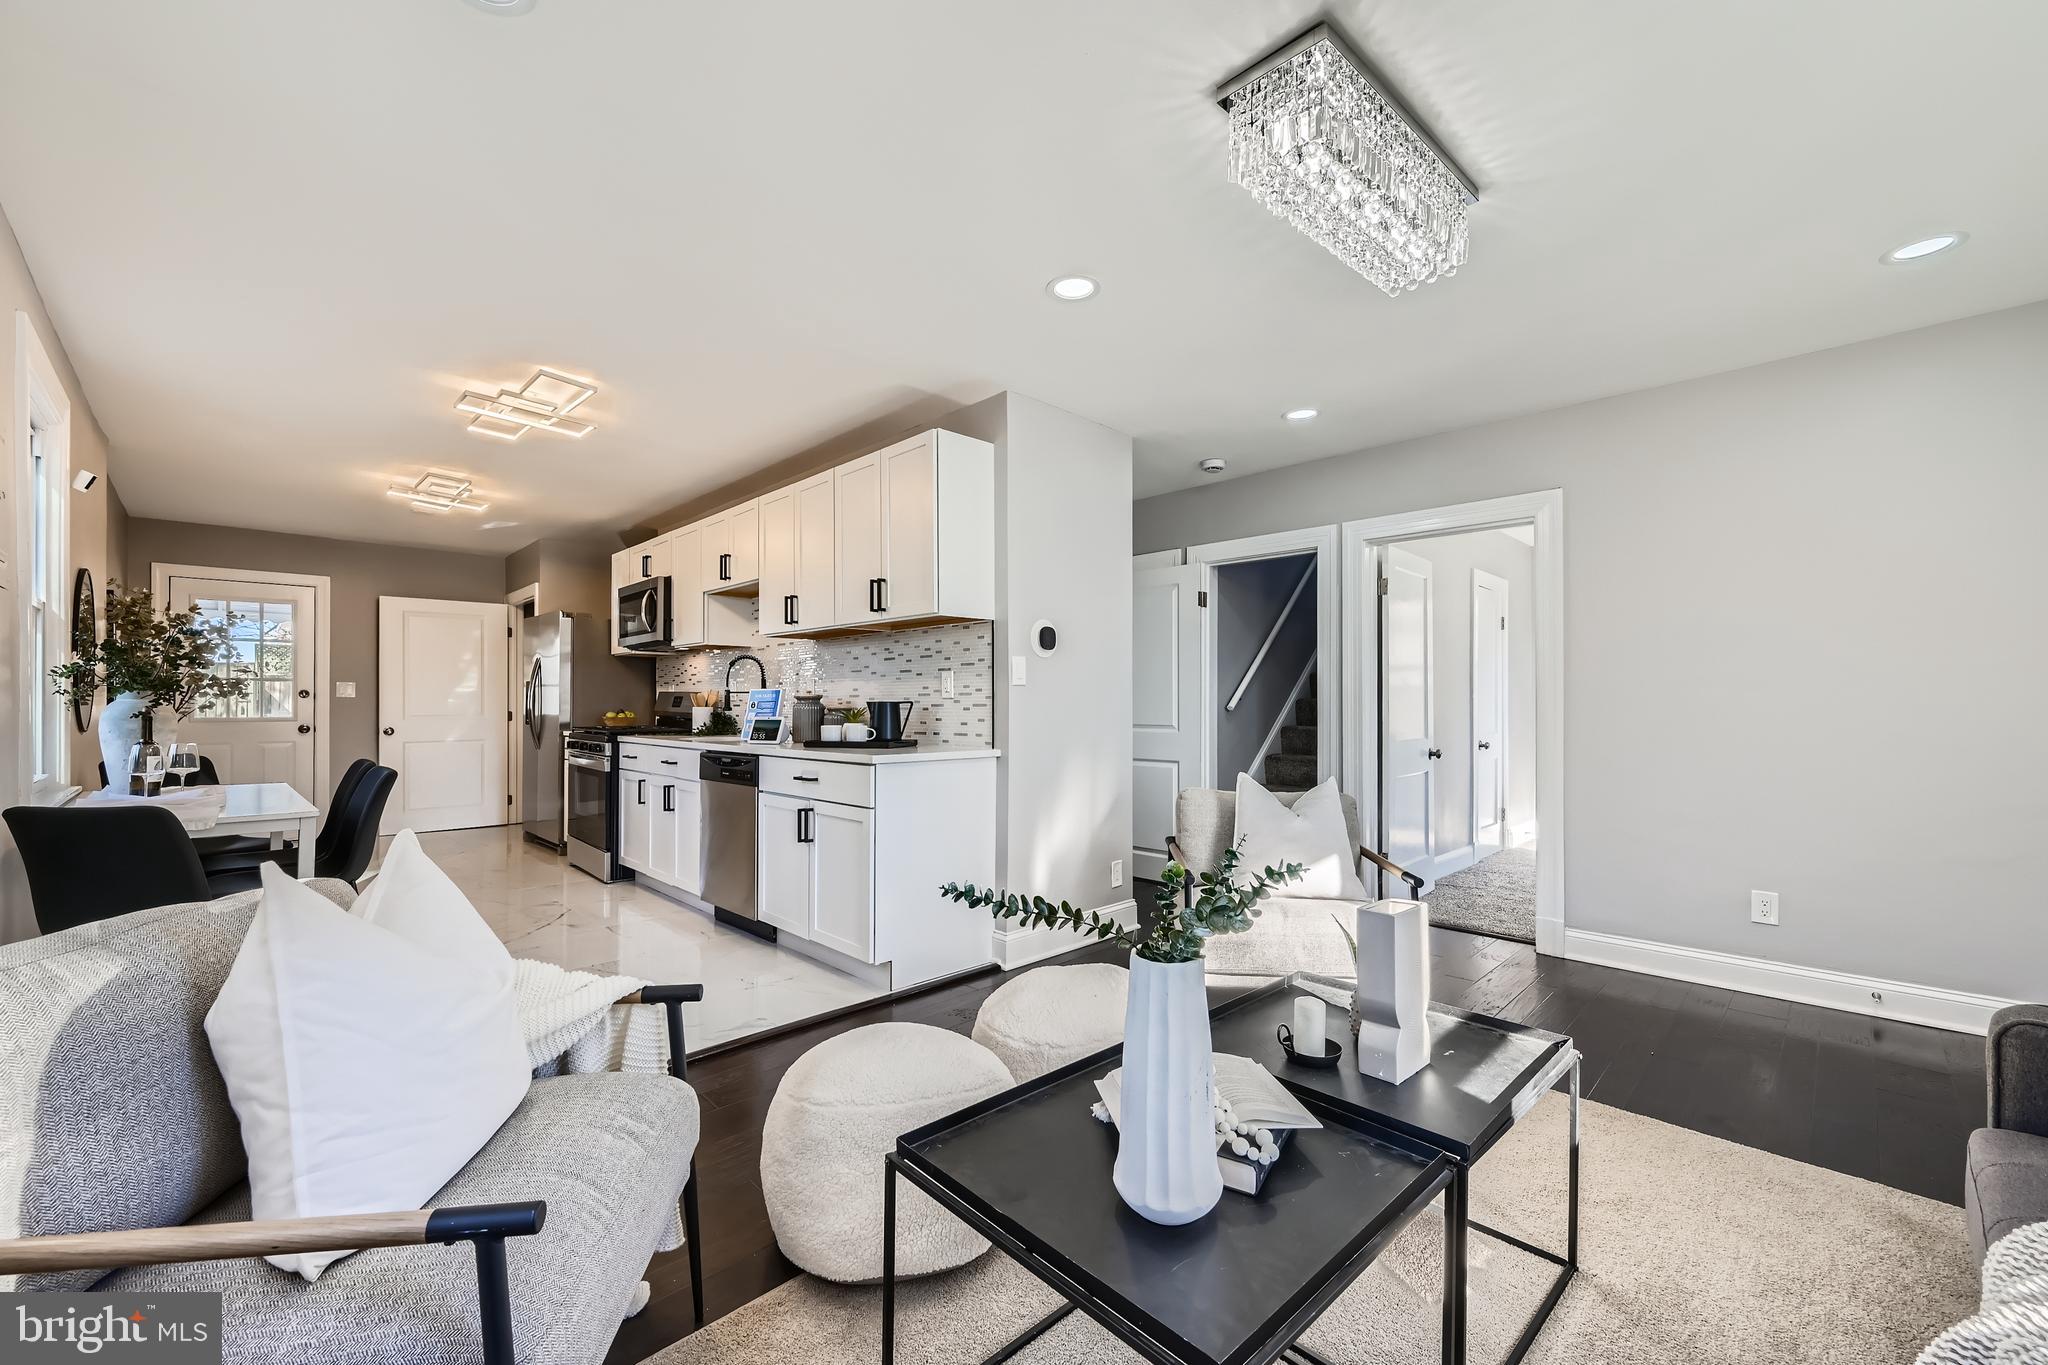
{"x":547,"y":910}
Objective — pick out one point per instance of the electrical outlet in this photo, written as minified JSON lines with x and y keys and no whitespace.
{"x":1016,"y":670}
{"x":1116,"y":871}
{"x":1763,"y":907}
{"x":945,"y":682}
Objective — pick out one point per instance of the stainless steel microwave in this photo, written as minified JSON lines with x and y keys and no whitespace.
{"x":643,"y":619}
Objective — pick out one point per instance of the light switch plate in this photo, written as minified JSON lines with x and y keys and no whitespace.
{"x":344,"y":689}
{"x":945,"y":682}
{"x":1016,"y":670}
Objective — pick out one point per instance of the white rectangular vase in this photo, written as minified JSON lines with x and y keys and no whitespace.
{"x":1393,"y":989}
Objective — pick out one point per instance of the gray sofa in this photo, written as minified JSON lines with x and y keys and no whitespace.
{"x":113,"y":1116}
{"x":2005,"y":1183}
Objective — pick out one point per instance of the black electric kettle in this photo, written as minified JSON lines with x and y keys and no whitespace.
{"x":889,"y":719}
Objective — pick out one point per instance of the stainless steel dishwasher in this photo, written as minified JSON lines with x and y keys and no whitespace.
{"x":731,"y":782}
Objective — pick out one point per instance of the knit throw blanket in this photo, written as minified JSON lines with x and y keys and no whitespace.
{"x":2011,"y":1325}
{"x":574,"y":1023}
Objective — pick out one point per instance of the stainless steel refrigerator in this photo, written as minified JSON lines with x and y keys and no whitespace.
{"x":569,"y":679}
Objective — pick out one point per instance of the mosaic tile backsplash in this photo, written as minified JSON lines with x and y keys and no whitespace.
{"x":897,"y":665}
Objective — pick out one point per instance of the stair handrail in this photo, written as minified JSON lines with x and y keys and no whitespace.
{"x":1286,"y":611}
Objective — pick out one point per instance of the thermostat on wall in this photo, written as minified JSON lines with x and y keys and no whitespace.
{"x":1045,"y":638}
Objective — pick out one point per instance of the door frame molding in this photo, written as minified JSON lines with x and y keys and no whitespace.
{"x":1505,"y":681}
{"x":515,"y":752}
{"x":160,"y":576}
{"x":1360,"y":541}
{"x":1322,"y":542}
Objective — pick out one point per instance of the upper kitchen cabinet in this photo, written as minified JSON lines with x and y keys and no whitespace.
{"x":798,"y":558}
{"x":648,"y":559}
{"x":915,"y":531}
{"x":732,"y":547}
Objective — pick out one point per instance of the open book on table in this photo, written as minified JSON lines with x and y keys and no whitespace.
{"x":1254,"y":1097}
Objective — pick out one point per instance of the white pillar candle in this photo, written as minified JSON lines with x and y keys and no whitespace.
{"x":1309,"y":1014}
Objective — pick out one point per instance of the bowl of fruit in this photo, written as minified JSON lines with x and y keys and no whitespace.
{"x":619,"y":720}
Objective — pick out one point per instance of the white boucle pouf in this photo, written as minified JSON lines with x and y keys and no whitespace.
{"x":1046,"y":1018}
{"x":837,"y":1112}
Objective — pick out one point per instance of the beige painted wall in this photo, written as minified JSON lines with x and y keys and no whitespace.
{"x":89,"y":545}
{"x":361,"y":572}
{"x":1781,"y":673}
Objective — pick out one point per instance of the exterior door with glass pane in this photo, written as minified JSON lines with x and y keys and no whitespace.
{"x":266,"y":734}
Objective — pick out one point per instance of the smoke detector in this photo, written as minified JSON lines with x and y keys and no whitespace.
{"x":1212,"y":466}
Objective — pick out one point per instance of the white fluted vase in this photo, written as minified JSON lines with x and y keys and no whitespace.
{"x":1166,"y":1132}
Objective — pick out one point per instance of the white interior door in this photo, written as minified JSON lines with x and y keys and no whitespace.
{"x":267,"y":733}
{"x":1489,"y":711}
{"x":441,"y":679}
{"x":1408,"y":752}
{"x":1166,"y":701}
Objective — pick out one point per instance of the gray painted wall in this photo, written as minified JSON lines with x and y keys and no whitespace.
{"x":1803,"y":643}
{"x":361,"y":573}
{"x":1247,"y":599}
{"x":1452,"y":560}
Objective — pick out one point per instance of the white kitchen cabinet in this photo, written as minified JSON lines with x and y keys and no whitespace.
{"x":732,"y":547}
{"x":916,"y":532}
{"x":783,"y":880}
{"x":798,"y":547}
{"x":636,"y":819}
{"x":686,"y":587}
{"x":842,"y":844}
{"x":815,"y":878}
{"x":648,"y":559}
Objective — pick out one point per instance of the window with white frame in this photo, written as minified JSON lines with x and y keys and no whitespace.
{"x":44,"y":478}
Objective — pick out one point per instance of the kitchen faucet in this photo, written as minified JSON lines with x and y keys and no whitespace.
{"x":740,"y":659}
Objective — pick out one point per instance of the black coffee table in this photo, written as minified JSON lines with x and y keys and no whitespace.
{"x":1483,"y":1075}
{"x":1029,"y":1169}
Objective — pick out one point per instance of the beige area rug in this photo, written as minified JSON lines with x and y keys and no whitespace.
{"x":1692,"y":1250}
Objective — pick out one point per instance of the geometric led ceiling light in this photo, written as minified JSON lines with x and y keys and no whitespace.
{"x":437,"y":491}
{"x":542,"y":403}
{"x":1324,"y":143}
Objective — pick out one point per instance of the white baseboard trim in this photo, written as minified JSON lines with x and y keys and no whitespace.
{"x":1935,"y":1006}
{"x":1522,"y":835}
{"x":1016,"y":948}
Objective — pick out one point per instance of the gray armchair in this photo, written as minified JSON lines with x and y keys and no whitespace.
{"x":2005,"y":1182}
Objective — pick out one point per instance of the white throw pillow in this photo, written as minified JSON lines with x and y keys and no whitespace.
{"x":1312,"y":833}
{"x":368,"y":1057}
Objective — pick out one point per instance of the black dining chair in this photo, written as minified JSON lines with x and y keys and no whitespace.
{"x":86,"y":865}
{"x":232,"y":852}
{"x":353,"y":831}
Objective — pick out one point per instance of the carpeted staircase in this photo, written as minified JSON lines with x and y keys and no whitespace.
{"x":1293,"y":769}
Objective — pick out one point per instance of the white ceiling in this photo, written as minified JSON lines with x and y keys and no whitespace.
{"x":279,"y":239}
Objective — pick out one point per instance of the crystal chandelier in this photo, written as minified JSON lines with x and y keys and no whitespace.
{"x":1326,"y":146}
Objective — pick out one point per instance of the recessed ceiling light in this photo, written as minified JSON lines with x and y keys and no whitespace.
{"x":1926,"y":246}
{"x":1212,"y":466}
{"x":1072,"y":288}
{"x":1300,"y":415}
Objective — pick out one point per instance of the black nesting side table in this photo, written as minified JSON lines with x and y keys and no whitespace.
{"x":1029,"y":1169}
{"x":1484,"y":1074}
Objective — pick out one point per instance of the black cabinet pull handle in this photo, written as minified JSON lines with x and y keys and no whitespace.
{"x":789,"y":610}
{"x":724,"y":568}
{"x":881,"y":594}
{"x":803,"y":779}
{"x":803,"y":825}
{"x":643,"y":791}
{"x":668,"y":763}
{"x":668,"y":798}
{"x":647,"y":566}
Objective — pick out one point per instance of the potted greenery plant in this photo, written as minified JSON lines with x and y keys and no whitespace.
{"x":167,"y":664}
{"x":1166,"y":1157}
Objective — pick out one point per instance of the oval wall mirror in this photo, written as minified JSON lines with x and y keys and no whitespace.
{"x":85,"y":629}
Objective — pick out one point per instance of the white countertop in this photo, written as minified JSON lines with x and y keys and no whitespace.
{"x":927,"y":750}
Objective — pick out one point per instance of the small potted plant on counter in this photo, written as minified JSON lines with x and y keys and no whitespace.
{"x":1163,"y":1170}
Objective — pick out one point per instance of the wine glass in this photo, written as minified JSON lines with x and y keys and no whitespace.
{"x":183,"y":767}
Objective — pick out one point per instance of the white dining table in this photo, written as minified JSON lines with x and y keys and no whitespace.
{"x":272,"y":808}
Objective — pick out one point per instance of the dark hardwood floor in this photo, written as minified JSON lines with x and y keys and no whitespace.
{"x":1893,"y":1103}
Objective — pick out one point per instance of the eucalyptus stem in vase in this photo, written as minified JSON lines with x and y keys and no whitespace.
{"x":1166,"y":1160}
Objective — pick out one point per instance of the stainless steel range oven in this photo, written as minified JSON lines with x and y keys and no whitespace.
{"x":587,"y":761}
